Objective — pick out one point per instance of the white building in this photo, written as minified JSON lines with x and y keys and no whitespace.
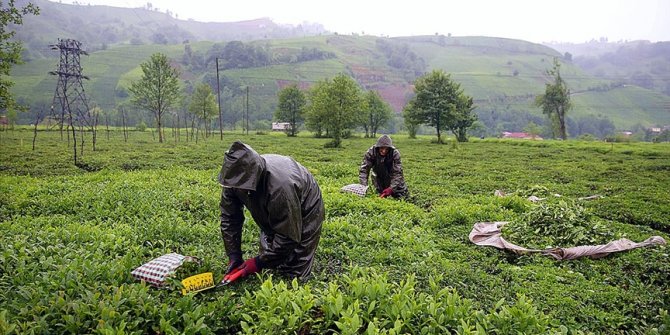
{"x":281,"y":126}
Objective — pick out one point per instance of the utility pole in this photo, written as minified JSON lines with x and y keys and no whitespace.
{"x":218,"y":94}
{"x":247,"y":110}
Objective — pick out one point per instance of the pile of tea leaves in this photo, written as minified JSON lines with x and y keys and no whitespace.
{"x":558,"y":222}
{"x":534,"y":190}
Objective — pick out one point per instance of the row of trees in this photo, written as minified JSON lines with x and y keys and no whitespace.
{"x":238,"y":55}
{"x":334,"y":107}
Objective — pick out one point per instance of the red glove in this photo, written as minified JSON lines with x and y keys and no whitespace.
{"x":234,"y":262}
{"x":250,"y":266}
{"x":386,"y":192}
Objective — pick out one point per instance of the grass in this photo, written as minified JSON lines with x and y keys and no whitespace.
{"x":73,"y":236}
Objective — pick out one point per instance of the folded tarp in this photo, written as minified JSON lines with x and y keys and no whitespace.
{"x":490,"y":234}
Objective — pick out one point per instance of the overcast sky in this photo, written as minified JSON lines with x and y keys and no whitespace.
{"x":531,"y":20}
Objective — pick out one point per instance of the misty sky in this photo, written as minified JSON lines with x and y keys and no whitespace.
{"x":531,"y":20}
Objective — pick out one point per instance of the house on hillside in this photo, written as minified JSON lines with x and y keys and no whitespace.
{"x":523,"y":136}
{"x":281,"y":126}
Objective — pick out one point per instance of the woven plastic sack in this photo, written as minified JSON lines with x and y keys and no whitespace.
{"x":356,"y":189}
{"x":156,"y":271}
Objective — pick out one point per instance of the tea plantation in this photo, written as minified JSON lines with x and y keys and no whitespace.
{"x":71,"y":236}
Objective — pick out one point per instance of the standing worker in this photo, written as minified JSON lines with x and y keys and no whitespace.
{"x":384,"y":161}
{"x":284,"y":200}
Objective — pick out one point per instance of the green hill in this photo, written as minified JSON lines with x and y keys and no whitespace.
{"x":502,"y":75}
{"x":106,"y":25}
{"x":639,"y":63}
{"x":628,"y":105}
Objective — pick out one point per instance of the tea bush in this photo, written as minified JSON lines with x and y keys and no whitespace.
{"x":71,"y":236}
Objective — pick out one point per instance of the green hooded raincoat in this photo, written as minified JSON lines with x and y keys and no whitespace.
{"x":386,"y":170}
{"x":284,"y":201}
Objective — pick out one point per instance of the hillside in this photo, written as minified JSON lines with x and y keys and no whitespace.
{"x":639,"y":63}
{"x":106,"y":25}
{"x":502,"y":75}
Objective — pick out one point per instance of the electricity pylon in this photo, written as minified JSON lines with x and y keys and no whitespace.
{"x":69,"y":105}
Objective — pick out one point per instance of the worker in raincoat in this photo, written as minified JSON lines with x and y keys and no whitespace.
{"x":284,"y":201}
{"x":384,"y":161}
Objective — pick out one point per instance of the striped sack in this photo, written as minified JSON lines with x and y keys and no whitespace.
{"x":356,"y":189}
{"x":156,"y":271}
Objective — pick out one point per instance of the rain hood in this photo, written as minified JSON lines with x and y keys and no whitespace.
{"x":384,"y":141}
{"x":242,"y":167}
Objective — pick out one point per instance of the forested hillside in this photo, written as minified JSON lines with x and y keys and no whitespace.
{"x":502,"y":75}
{"x":639,"y":63}
{"x":98,"y":27}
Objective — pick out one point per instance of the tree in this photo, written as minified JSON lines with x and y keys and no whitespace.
{"x":10,"y":51}
{"x":532,"y":129}
{"x":567,"y":56}
{"x":334,"y":107}
{"x":158,"y":89}
{"x":440,"y":102}
{"x":643,"y":79}
{"x":203,"y":105}
{"x":237,"y":55}
{"x":410,"y":118}
{"x":555,"y":102}
{"x":313,"y":116}
{"x":12,"y":117}
{"x":664,"y":136}
{"x":292,"y":103}
{"x":462,"y":117}
{"x":376,"y":114}
{"x":596,"y":125}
